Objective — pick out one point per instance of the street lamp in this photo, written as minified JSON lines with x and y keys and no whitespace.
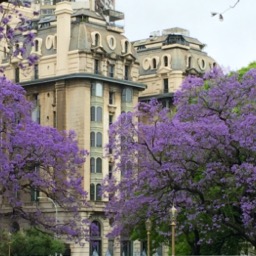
{"x":55,"y":205}
{"x":148,"y":228}
{"x":173,"y":213}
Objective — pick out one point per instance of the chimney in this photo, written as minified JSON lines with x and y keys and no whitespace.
{"x":63,"y":12}
{"x":92,"y":5}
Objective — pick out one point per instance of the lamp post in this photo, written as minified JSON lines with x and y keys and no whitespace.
{"x":9,"y":243}
{"x":148,"y":228}
{"x":55,"y":205}
{"x":173,"y":213}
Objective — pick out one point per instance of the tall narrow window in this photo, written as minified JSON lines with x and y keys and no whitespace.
{"x":99,"y":165}
{"x":54,"y":119}
{"x":110,"y":119}
{"x":92,"y":139}
{"x":99,"y":140}
{"x":110,"y":170}
{"x":154,"y":63}
{"x":92,"y":164}
{"x":36,"y":109}
{"x":126,"y":46}
{"x":189,"y":62}
{"x":127,"y":95}
{"x":99,"y":114}
{"x":166,"y":60}
{"x":34,"y":191}
{"x":36,"y":45}
{"x":97,"y":39}
{"x":17,"y":75}
{"x":92,"y":192}
{"x":111,"y":70}
{"x":126,"y":72}
{"x":111,"y":98}
{"x":36,"y":73}
{"x":95,"y":239}
{"x":93,"y":118}
{"x":166,"y":85}
{"x":98,"y":192}
{"x":96,"y":66}
{"x":126,"y":247}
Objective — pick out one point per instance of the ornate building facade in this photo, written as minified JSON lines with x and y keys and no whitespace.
{"x":166,"y":58}
{"x":88,"y":73}
{"x":85,"y":77}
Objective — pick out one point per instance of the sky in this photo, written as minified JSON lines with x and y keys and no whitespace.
{"x":231,"y":42}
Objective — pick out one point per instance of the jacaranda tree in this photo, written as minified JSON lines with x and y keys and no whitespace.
{"x":200,"y":159}
{"x":36,"y":159}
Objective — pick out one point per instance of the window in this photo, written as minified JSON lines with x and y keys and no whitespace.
{"x":111,"y":70}
{"x":97,"y":39}
{"x":34,"y":191}
{"x":92,"y":164}
{"x":96,"y":114}
{"x":98,"y":192}
{"x":36,"y":45}
{"x":92,"y":192}
{"x":36,"y":74}
{"x":99,"y":165}
{"x":166,"y":85}
{"x":111,"y":98}
{"x":166,"y":61}
{"x":96,"y":139}
{"x":189,"y":61}
{"x":126,"y":72}
{"x":34,"y":195}
{"x":110,"y":170}
{"x":96,"y":165}
{"x":96,"y":66}
{"x":126,"y":248}
{"x":110,"y":121}
{"x":95,"y":238}
{"x":127,"y":95}
{"x":92,"y":139}
{"x":99,"y":140}
{"x":36,"y":109}
{"x":154,"y":63}
{"x":126,"y":46}
{"x":17,"y":75}
{"x":97,"y":89}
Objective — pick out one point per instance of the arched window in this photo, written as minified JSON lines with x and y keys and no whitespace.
{"x":95,"y":238}
{"x":92,"y":164}
{"x":98,"y":192}
{"x":92,"y":139}
{"x":92,"y":192}
{"x":92,"y":113}
{"x":154,"y":63}
{"x":99,"y":165}
{"x":36,"y":45}
{"x":189,"y":62}
{"x":99,"y":140}
{"x":97,"y":39}
{"x":99,"y":114}
{"x":126,"y":46}
{"x":166,"y":61}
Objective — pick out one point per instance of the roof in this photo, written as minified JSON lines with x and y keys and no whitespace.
{"x":92,"y":77}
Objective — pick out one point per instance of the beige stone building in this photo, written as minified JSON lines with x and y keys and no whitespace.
{"x":86,"y":76}
{"x":88,"y":73}
{"x":166,"y":58}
